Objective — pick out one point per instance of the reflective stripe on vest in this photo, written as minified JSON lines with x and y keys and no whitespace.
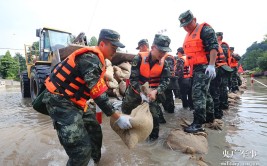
{"x":66,"y":81}
{"x":152,"y":76}
{"x":220,"y":58}
{"x":194,"y":48}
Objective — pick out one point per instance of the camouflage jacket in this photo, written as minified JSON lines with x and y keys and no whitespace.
{"x":89,"y":66}
{"x":135,"y":72}
{"x":209,"y":38}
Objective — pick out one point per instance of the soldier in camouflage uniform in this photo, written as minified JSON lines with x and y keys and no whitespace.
{"x":225,"y":74}
{"x":168,"y":105}
{"x":184,"y":79}
{"x":201,"y":47}
{"x":235,"y":80}
{"x":143,"y":45}
{"x":144,"y":65}
{"x":218,"y":86}
{"x":74,"y":81}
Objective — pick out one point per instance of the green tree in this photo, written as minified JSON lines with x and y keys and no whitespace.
{"x":262,"y":61}
{"x":93,"y":41}
{"x":22,"y":62}
{"x":9,"y":66}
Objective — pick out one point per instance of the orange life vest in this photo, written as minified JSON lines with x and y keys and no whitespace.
{"x":174,"y":64}
{"x":150,"y":75}
{"x":66,"y":81}
{"x":194,"y":48}
{"x":220,"y":58}
{"x":228,"y":56}
{"x":233,"y":62}
{"x":187,"y":73}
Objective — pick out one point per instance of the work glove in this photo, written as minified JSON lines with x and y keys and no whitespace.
{"x":144,"y":97}
{"x":210,"y":71}
{"x":124,"y":122}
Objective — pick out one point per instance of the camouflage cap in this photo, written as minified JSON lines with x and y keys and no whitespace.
{"x":232,"y":48}
{"x":181,"y":50}
{"x":141,"y":42}
{"x":112,"y":36}
{"x":162,"y":42}
{"x":219,"y":33}
{"x":185,"y":18}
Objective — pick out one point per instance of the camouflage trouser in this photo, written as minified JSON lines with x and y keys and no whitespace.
{"x":78,"y":132}
{"x":168,"y":104}
{"x":131,"y":100}
{"x":223,"y":91}
{"x":218,"y":91}
{"x":202,"y":100}
{"x":234,"y":80}
{"x":186,"y":92}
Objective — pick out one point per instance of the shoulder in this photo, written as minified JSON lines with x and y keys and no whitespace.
{"x":88,"y":56}
{"x":207,"y":30}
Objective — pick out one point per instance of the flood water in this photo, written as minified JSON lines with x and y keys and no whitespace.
{"x":27,"y":138}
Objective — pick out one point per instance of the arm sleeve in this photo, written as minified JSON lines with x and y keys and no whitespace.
{"x":135,"y":72}
{"x":90,"y":66}
{"x":209,"y":38}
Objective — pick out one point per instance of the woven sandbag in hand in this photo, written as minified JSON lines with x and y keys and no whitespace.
{"x":142,"y":125}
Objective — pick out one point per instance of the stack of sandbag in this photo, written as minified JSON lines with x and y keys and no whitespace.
{"x":121,"y":74}
{"x":111,"y":82}
{"x":142,"y":125}
{"x":116,"y":76}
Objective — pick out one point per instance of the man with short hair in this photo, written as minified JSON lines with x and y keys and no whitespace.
{"x":184,"y":79}
{"x":224,"y":73}
{"x":235,"y":80}
{"x":201,"y":47}
{"x":70,"y":85}
{"x":143,"y":45}
{"x":152,"y":68}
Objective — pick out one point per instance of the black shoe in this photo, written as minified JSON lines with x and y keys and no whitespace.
{"x":209,"y":118}
{"x":153,"y":138}
{"x":162,"y":120}
{"x":169,"y":111}
{"x":218,"y":115}
{"x":194,"y":128}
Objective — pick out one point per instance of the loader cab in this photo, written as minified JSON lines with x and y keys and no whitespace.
{"x":51,"y":40}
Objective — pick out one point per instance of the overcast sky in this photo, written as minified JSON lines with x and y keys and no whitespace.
{"x":242,"y":22}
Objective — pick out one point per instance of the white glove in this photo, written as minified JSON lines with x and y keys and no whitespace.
{"x":144,"y":97}
{"x":211,"y":71}
{"x":123,"y":122}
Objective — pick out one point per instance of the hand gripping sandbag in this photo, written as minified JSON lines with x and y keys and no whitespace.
{"x":142,"y":125}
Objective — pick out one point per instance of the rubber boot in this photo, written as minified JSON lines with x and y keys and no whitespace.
{"x":218,"y":114}
{"x":154,"y":135}
{"x":161,"y":117}
{"x":195,"y":127}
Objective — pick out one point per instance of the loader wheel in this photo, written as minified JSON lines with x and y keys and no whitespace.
{"x":25,"y":84}
{"x":38,"y":76}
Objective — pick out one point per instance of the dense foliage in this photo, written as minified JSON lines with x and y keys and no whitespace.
{"x":255,"y":57}
{"x":10,"y":66}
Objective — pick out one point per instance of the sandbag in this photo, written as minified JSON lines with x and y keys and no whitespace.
{"x":187,"y":143}
{"x":142,"y":125}
{"x":233,"y":96}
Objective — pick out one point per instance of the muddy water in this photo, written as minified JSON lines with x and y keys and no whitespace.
{"x":28,"y":138}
